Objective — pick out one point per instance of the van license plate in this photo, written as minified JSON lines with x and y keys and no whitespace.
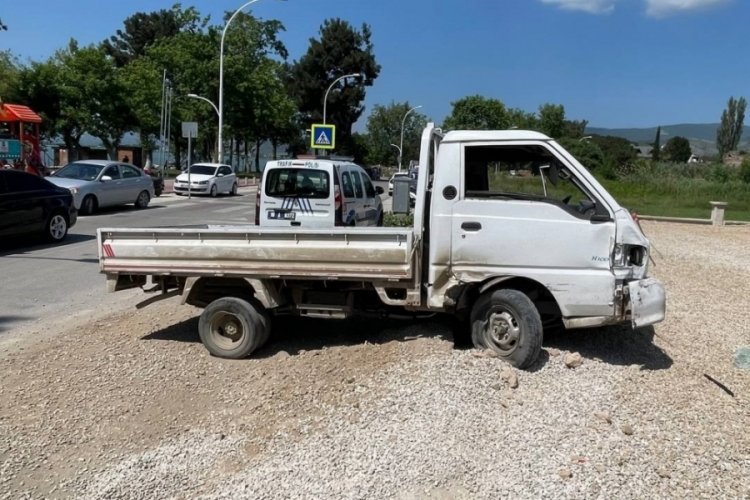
{"x":281,"y":215}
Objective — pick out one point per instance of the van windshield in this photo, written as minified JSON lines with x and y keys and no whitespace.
{"x":301,"y":182}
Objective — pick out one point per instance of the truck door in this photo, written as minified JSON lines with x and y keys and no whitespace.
{"x":522,"y":212}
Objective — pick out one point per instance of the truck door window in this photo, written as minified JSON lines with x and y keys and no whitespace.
{"x":346,"y":183}
{"x":357,"y":184}
{"x":524,"y":172}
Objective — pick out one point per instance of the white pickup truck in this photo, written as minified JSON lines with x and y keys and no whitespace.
{"x":511,"y":233}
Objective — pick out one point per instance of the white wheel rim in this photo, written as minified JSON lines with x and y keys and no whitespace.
{"x":57,"y":227}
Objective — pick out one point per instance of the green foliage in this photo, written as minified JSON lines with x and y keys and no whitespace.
{"x":586,"y":151}
{"x":680,"y":190}
{"x":552,"y":120}
{"x":744,"y":172}
{"x":339,"y":51}
{"x":384,"y":130}
{"x":730,"y":129}
{"x":619,"y":154}
{"x":398,"y":220}
{"x":477,"y":113}
{"x":143,"y":29}
{"x":677,"y":149}
{"x":10,"y":69}
{"x":656,"y":151}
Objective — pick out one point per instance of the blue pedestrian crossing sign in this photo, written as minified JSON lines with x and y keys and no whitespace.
{"x":323,"y":136}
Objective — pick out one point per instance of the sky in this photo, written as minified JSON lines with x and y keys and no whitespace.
{"x":614,"y":63}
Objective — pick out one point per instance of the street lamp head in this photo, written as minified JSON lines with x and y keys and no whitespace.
{"x":193,"y":95}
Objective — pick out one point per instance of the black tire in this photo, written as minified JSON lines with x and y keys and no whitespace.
{"x":89,"y":205}
{"x":507,"y":322}
{"x":142,"y":200}
{"x":233,"y":192}
{"x":233,"y":328}
{"x":214,"y":191}
{"x":56,"y":228}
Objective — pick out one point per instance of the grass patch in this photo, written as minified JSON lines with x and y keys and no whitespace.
{"x":670,"y":190}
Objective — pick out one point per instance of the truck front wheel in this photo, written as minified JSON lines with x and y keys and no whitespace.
{"x":233,"y":328}
{"x":508,"y":323}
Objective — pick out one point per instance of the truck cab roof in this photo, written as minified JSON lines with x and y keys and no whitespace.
{"x":493,"y":135}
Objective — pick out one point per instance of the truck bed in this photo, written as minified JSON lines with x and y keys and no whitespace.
{"x":250,"y":251}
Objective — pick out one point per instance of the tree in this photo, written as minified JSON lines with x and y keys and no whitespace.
{"x":384,"y":129}
{"x":477,"y":113}
{"x":587,"y":152}
{"x":341,"y":50}
{"x":552,"y":120}
{"x":143,"y":29}
{"x":732,"y":123}
{"x":618,"y":152}
{"x":10,"y":68}
{"x":656,"y":151}
{"x":677,"y":149}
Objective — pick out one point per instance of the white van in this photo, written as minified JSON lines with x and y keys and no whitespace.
{"x":317,"y":193}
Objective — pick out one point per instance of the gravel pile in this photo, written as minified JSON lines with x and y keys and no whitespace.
{"x":133,"y":407}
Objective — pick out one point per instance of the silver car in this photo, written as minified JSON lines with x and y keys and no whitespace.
{"x":103,"y":183}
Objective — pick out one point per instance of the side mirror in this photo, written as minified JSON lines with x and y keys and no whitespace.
{"x":106,"y":178}
{"x":220,"y":175}
{"x":379,"y":190}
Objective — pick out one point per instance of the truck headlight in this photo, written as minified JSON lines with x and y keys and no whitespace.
{"x":629,"y":255}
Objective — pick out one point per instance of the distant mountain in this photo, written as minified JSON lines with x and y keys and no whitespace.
{"x":702,"y":136}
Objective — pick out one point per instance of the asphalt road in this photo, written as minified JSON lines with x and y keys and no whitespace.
{"x":41,"y":283}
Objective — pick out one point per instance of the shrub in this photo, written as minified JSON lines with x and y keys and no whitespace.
{"x":745,"y":171}
{"x":398,"y":220}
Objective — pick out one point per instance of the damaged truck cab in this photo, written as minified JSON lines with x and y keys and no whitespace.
{"x":514,"y":209}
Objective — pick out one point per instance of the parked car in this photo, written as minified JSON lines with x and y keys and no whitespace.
{"x":207,"y":178}
{"x":317,"y":193}
{"x":390,"y":181}
{"x":32,"y":205}
{"x":102,"y":183}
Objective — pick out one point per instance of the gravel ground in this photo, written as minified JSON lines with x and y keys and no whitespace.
{"x":130,"y":405}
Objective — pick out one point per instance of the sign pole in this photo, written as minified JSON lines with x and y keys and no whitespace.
{"x":190,"y":151}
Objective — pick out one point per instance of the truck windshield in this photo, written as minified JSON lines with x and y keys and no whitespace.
{"x":301,"y":182}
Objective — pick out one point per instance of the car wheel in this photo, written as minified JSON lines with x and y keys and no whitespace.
{"x":56,"y":228}
{"x":507,"y":322}
{"x":233,"y":328}
{"x":213,"y":191}
{"x":234,"y":189}
{"x":142,"y":200}
{"x":88,"y":205}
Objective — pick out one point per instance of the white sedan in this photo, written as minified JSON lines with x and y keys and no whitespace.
{"x":207,"y":178}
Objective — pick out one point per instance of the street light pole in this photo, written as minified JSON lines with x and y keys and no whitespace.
{"x":196,"y":96}
{"x":399,"y":152}
{"x":220,"y":111}
{"x":401,"y":149}
{"x":325,"y":98}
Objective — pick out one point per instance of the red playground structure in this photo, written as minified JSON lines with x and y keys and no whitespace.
{"x":19,"y":138}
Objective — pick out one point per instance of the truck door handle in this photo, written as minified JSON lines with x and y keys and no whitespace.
{"x":471,"y":226}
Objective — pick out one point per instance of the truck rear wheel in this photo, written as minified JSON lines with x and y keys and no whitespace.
{"x":233,"y":328}
{"x":507,"y":322}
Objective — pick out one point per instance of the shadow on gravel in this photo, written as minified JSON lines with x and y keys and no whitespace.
{"x":6,"y":322}
{"x":616,"y":345}
{"x":293,"y":334}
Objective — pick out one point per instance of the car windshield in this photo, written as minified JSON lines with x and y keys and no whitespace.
{"x":307,"y":183}
{"x":203,"y":170}
{"x":82,"y":171}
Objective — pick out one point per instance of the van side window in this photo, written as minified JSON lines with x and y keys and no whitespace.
{"x":346,"y":184}
{"x":369,"y":189}
{"x":357,"y":184}
{"x":523,"y":172}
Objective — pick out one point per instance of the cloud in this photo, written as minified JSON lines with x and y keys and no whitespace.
{"x":590,"y":6}
{"x":662,"y":8}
